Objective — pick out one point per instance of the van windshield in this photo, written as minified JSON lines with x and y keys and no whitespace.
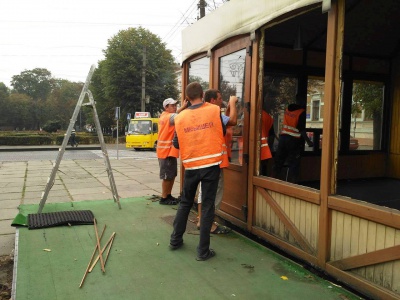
{"x":140,"y":127}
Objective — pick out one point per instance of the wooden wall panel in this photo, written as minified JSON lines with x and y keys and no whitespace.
{"x":353,"y":236}
{"x":349,"y":166}
{"x":394,"y":153}
{"x":362,"y":166}
{"x":303,"y":215}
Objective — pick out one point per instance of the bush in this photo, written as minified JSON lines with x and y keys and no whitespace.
{"x":52,"y":126}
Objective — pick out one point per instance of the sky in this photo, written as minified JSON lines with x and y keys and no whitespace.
{"x":66,"y":37}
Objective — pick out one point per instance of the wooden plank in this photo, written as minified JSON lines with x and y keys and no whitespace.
{"x":370,"y":289}
{"x":339,"y":235}
{"x":292,"y":216}
{"x":288,"y":223}
{"x":314,"y":224}
{"x":308,"y":218}
{"x":388,"y":267}
{"x":379,"y":245}
{"x":286,"y":232}
{"x":281,"y":226}
{"x":396,"y":266}
{"x":368,"y":259}
{"x":287,"y":188}
{"x":333,"y":236}
{"x":355,"y":238}
{"x":347,"y":238}
{"x":375,"y":213}
{"x":362,"y":241}
{"x":302,"y":227}
{"x":271,"y":214}
{"x":371,"y":247}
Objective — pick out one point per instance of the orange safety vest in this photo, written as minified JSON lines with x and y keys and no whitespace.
{"x":290,"y":121}
{"x":266,"y":121}
{"x":201,"y":139}
{"x":166,"y":131}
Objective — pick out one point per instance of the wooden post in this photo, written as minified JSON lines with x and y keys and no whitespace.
{"x":334,"y":46}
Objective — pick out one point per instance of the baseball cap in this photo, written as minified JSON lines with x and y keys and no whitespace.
{"x":168,"y":101}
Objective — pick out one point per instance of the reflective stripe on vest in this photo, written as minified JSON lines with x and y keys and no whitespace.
{"x":290,"y":121}
{"x":291,"y":131}
{"x":266,"y":122}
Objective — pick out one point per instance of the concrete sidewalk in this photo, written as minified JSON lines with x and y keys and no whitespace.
{"x":23,"y":183}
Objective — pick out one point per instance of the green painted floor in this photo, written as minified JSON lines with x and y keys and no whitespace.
{"x":141,"y":266}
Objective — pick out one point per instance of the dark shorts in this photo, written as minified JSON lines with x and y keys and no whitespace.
{"x":168,"y":168}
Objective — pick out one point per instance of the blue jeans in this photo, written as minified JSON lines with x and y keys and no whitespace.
{"x":209,"y":182}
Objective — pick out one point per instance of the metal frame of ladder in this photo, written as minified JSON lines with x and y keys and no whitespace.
{"x":51,"y":179}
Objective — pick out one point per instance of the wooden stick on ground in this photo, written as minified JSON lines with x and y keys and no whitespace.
{"x":91,"y":259}
{"x":98,"y":246}
{"x":102,"y":250}
{"x":109,"y":248}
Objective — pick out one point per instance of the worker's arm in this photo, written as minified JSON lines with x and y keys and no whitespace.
{"x":231,"y":111}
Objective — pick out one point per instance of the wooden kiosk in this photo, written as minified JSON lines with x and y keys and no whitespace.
{"x":343,"y":57}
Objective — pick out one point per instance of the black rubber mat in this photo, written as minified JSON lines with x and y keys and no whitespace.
{"x":73,"y":217}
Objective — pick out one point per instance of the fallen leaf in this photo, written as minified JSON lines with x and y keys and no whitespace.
{"x":284,"y":278}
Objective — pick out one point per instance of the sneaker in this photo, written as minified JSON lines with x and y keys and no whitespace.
{"x":176,"y":247}
{"x":167,"y":201}
{"x":211,"y":253}
{"x":177,"y":200}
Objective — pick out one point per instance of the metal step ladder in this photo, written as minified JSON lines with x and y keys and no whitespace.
{"x":91,"y":103}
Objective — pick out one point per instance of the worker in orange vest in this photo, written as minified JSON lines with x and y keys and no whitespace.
{"x":291,"y":142}
{"x":229,"y":119}
{"x":167,"y":154}
{"x":200,"y":138}
{"x":267,"y":140}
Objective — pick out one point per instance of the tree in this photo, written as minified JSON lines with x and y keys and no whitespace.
{"x":19,"y":111}
{"x":37,"y":84}
{"x":369,"y":96}
{"x":4,"y":101}
{"x":118,"y":80}
{"x":62,"y":101}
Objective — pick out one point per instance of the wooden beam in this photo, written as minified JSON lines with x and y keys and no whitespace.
{"x":289,"y":189}
{"x":254,"y":132}
{"x":360,"y":284}
{"x":367,"y":259}
{"x":334,"y":44}
{"x":379,"y":214}
{"x":290,"y":226}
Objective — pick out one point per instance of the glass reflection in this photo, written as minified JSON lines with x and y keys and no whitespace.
{"x":199,"y":70}
{"x":232,"y":82}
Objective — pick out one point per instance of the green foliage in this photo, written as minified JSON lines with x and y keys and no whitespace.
{"x":204,"y":84}
{"x":62,"y":101}
{"x":368,"y":96}
{"x":52,"y":126}
{"x":24,"y":140}
{"x":36,"y":83}
{"x":118,"y":79}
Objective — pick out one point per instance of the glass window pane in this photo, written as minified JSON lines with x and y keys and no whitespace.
{"x":279,"y":91}
{"x":366,"y":115}
{"x":315,"y":110}
{"x":231,"y":82}
{"x":199,"y":70}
